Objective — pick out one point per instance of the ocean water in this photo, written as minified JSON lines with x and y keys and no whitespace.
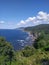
{"x":18,"y":38}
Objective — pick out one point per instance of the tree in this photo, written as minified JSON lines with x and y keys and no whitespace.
{"x":28,"y":51}
{"x":6,"y":51}
{"x":40,"y":41}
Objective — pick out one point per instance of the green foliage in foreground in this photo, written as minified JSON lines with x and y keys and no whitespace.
{"x":6,"y":52}
{"x":38,"y":54}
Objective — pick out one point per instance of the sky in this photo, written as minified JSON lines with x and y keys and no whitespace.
{"x":23,"y":13}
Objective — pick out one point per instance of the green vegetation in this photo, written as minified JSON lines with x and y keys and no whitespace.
{"x":38,"y":28}
{"x":28,"y":51}
{"x":6,"y":52}
{"x":37,"y":54}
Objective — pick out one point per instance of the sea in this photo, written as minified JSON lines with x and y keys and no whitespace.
{"x":17,"y":38}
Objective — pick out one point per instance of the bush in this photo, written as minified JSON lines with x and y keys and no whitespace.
{"x":41,"y":41}
{"x":6,"y":51}
{"x":28,"y":51}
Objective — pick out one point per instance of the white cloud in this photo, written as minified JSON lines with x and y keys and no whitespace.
{"x":30,"y":19}
{"x":2,"y":22}
{"x":40,"y":18}
{"x":22,"y":22}
{"x":43,"y":16}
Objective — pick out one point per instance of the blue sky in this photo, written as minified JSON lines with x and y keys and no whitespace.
{"x":17,"y":13}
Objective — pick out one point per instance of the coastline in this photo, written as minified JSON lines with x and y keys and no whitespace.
{"x":28,"y":32}
{"x":30,"y":35}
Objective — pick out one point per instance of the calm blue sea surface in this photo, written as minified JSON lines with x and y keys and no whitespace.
{"x":17,"y":38}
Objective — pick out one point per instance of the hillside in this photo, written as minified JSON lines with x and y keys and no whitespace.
{"x":37,"y":54}
{"x":38,"y":28}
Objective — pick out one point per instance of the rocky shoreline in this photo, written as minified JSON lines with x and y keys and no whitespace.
{"x":31,"y":36}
